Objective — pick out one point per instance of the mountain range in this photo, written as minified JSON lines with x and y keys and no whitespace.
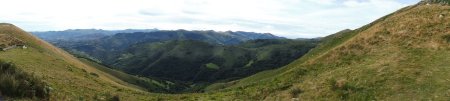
{"x":189,"y":58}
{"x":402,"y":56}
{"x":83,"y":34}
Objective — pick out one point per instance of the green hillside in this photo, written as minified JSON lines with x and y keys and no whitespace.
{"x":191,"y":62}
{"x":173,"y":58}
{"x":402,"y":56}
{"x":65,"y":76}
{"x":105,"y":48}
{"x":144,"y":83}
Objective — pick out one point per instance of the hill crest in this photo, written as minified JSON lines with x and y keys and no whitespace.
{"x":428,"y":2}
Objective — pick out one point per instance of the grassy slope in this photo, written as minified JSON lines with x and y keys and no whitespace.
{"x":69,"y":77}
{"x":404,"y":56}
{"x":120,"y":75}
{"x":143,"y":83}
{"x":401,"y":56}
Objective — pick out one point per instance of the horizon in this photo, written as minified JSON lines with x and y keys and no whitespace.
{"x":164,"y":30}
{"x":285,"y":18}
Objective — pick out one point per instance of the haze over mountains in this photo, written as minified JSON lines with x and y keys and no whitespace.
{"x":83,"y":34}
{"x":401,"y":56}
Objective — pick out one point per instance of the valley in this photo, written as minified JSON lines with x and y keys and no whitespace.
{"x":401,"y":56}
{"x":191,"y":60}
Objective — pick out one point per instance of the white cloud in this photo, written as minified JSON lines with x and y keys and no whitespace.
{"x":288,"y":18}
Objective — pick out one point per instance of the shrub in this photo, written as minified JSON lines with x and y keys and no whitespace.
{"x":84,"y":70}
{"x":115,"y":98}
{"x":344,"y":89}
{"x":446,"y":38}
{"x":18,"y":84}
{"x":295,"y":92}
{"x":94,"y":74}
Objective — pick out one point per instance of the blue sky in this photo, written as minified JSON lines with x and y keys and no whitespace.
{"x":287,"y":18}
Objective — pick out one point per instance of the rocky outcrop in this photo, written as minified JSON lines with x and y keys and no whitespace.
{"x":8,"y":42}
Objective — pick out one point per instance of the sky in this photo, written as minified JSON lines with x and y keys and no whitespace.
{"x":286,"y":18}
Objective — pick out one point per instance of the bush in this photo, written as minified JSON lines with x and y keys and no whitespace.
{"x":446,"y":38}
{"x":295,"y":92}
{"x":18,"y":84}
{"x":115,"y":98}
{"x":94,"y":74}
{"x":344,"y":88}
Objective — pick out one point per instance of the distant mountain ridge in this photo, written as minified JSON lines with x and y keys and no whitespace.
{"x":101,"y":48}
{"x":82,"y":34}
{"x":213,"y":37}
{"x":94,"y":34}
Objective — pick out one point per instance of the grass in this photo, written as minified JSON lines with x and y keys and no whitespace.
{"x":295,"y":92}
{"x":146,"y":84}
{"x":372,"y":66}
{"x":18,"y":84}
{"x":446,"y":38}
{"x":398,"y":57}
{"x":403,"y":56}
{"x":438,"y":1}
{"x":57,"y":69}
